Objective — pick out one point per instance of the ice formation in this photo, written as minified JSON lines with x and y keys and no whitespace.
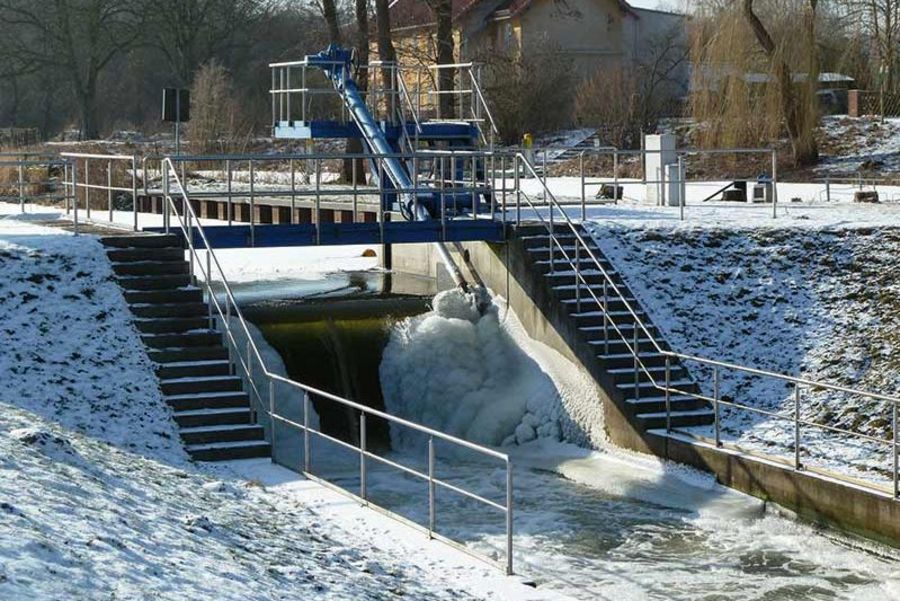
{"x":459,"y":371}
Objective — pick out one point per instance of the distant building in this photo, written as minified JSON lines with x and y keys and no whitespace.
{"x":591,"y":33}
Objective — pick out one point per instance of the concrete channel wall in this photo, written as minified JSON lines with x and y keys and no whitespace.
{"x":815,"y":497}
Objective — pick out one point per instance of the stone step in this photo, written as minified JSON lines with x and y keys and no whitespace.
{"x":679,"y":419}
{"x":187,"y":369}
{"x":625,"y":375}
{"x":213,"y":416}
{"x":589,"y":303}
{"x":189,"y":309}
{"x":590,"y":276}
{"x":147,"y":268}
{"x":617,"y":346}
{"x":154,"y":282}
{"x":596,"y":317}
{"x":542,"y":253}
{"x":183,"y":340}
{"x":184,"y":404}
{"x":596,"y":332}
{"x":560,"y":263}
{"x":184,"y":294}
{"x":198,"y":384}
{"x":222,"y":433}
{"x":146,"y":241}
{"x":657,"y":404}
{"x":535,"y":235}
{"x":166,"y":325}
{"x":128,"y":255}
{"x":628,"y":386}
{"x":227,"y":451}
{"x":648,"y":359}
{"x":165,"y":356}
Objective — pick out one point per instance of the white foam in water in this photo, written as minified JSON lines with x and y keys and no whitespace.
{"x":462,"y":373}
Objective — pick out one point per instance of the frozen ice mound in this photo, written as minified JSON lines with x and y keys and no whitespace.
{"x":460,"y":372}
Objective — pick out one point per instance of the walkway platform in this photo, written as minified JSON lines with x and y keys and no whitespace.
{"x":336,"y":234}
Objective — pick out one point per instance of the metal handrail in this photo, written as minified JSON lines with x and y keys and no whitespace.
{"x":633,"y":348}
{"x":189,"y":224}
{"x":132,"y":160}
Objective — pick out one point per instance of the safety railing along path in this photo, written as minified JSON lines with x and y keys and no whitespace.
{"x":553,"y":217}
{"x":264,"y":395}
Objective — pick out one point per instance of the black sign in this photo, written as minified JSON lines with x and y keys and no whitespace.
{"x":176,"y":105}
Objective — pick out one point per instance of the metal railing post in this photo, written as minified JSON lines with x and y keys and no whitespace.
{"x":668,"y":394}
{"x":317,"y":165}
{"x":134,"y":190}
{"x":252,"y":205}
{"x":209,"y":291}
{"x":605,"y":319}
{"x":774,"y":183}
{"x":306,"y":458}
{"x":272,"y":415}
{"x":229,"y":176}
{"x":895,"y":454}
{"x":551,"y":242}
{"x":637,"y":386}
{"x":577,"y":277}
{"x":109,"y":190}
{"x":797,"y":426}
{"x":615,"y":176}
{"x":716,"y":417}
{"x":362,"y":455}
{"x":166,"y":201}
{"x":583,"y":191}
{"x":509,"y":518}
{"x":518,"y":191}
{"x":682,"y":188}
{"x":827,"y":189}
{"x":74,"y":171}
{"x":87,"y":190}
{"x":431,"y":520}
{"x":293,"y":168}
{"x":21,"y":188}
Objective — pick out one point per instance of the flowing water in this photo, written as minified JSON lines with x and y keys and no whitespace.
{"x":595,"y":525}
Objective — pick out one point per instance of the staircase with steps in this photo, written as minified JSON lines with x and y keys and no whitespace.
{"x":644,"y":405}
{"x":195,"y":374}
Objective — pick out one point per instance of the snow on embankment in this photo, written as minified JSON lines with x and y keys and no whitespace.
{"x":480,"y":378}
{"x":68,"y":350}
{"x":820,"y":302}
{"x":97,"y":498}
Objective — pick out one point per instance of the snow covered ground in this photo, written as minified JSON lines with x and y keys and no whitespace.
{"x":98,"y":499}
{"x":809,"y":294}
{"x":865,"y":144}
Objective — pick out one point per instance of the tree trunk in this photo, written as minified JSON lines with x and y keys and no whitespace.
{"x":443,"y":13}
{"x":355,"y":145}
{"x":386,"y":51}
{"x":329,"y":11}
{"x":797,"y":120}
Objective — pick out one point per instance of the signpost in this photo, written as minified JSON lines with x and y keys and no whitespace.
{"x":176,"y":108}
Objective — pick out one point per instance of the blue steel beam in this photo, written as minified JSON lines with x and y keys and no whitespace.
{"x":339,"y":234}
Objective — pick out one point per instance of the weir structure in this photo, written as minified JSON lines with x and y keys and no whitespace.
{"x":432,"y":178}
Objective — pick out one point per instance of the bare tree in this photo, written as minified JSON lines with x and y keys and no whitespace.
{"x":189,"y":33}
{"x":76,"y":38}
{"x":443,"y":16}
{"x":795,"y":109}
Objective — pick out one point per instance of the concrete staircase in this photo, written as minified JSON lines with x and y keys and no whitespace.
{"x":192,"y":363}
{"x":643,"y":402}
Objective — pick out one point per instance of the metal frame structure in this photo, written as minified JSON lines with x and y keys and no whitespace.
{"x":189,"y":224}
